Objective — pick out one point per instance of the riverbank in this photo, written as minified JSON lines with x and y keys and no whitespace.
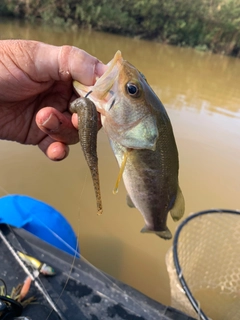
{"x":201,"y":24}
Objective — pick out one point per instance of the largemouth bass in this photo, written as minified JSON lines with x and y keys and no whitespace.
{"x":142,"y":140}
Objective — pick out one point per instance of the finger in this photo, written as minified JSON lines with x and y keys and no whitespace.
{"x":44,"y":62}
{"x":82,"y":66}
{"x":75,"y":121}
{"x":54,"y":150}
{"x":57,"y":125}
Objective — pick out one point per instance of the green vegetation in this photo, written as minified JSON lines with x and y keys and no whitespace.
{"x":204,"y":24}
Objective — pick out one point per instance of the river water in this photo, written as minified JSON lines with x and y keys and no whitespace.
{"x":201,"y":93}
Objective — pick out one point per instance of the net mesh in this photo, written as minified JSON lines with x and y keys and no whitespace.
{"x":207,"y":250}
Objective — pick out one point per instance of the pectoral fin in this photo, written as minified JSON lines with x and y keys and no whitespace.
{"x":129,"y":202}
{"x":142,"y":135}
{"x":115,"y":190}
{"x":178,"y":208}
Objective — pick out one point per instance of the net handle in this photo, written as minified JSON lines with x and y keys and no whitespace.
{"x":179,"y":272}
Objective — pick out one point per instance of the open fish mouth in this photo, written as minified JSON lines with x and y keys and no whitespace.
{"x":114,"y":97}
{"x":103,"y":88}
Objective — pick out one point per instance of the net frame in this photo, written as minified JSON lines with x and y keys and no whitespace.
{"x":177,"y":265}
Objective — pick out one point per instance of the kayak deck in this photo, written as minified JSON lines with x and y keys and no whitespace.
{"x":79,"y":291}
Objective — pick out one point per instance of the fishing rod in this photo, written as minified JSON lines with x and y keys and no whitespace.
{"x":31,"y":275}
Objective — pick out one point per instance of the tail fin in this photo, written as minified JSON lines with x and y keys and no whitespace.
{"x":165,"y":234}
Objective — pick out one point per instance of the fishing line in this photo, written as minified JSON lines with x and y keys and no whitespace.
{"x":74,"y":250}
{"x":35,"y":280}
{"x":35,"y":277}
{"x":88,"y":94}
{"x":40,"y":285}
{"x":5,"y":287}
{"x":101,"y":273}
{"x":78,"y":233}
{"x":76,"y":253}
{"x":98,"y":271}
{"x":4,"y":190}
{"x":110,"y":282}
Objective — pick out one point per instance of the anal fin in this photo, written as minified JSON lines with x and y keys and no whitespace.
{"x":178,"y":208}
{"x":129,"y":202}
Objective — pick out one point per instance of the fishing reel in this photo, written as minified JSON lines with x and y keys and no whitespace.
{"x":9,"y":308}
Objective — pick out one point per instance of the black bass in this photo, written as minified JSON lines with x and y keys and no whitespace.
{"x":142,"y":140}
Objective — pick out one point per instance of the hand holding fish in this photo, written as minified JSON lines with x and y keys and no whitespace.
{"x":35,"y":92}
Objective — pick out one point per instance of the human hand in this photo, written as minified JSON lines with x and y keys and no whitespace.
{"x":35,"y":92}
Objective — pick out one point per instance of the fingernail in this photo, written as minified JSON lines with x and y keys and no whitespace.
{"x":61,"y":156}
{"x":52,"y":123}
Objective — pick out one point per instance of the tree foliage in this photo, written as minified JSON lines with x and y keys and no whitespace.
{"x":204,"y":24}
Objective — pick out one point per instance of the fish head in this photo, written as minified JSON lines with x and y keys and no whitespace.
{"x":126,"y":103}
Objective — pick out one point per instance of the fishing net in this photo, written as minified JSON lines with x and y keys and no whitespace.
{"x":204,"y":265}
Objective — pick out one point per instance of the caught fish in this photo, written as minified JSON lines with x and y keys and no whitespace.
{"x":43,"y":268}
{"x":87,"y":131}
{"x":142,"y":140}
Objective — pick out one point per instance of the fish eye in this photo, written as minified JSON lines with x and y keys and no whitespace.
{"x":132,"y":89}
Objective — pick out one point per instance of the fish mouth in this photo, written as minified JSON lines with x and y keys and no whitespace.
{"x":123,"y":124}
{"x":101,"y":90}
{"x":105,"y":82}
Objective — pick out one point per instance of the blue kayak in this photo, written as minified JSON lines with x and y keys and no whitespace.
{"x":40,"y":219}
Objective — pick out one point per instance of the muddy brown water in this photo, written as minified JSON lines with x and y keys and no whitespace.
{"x":201,"y":93}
